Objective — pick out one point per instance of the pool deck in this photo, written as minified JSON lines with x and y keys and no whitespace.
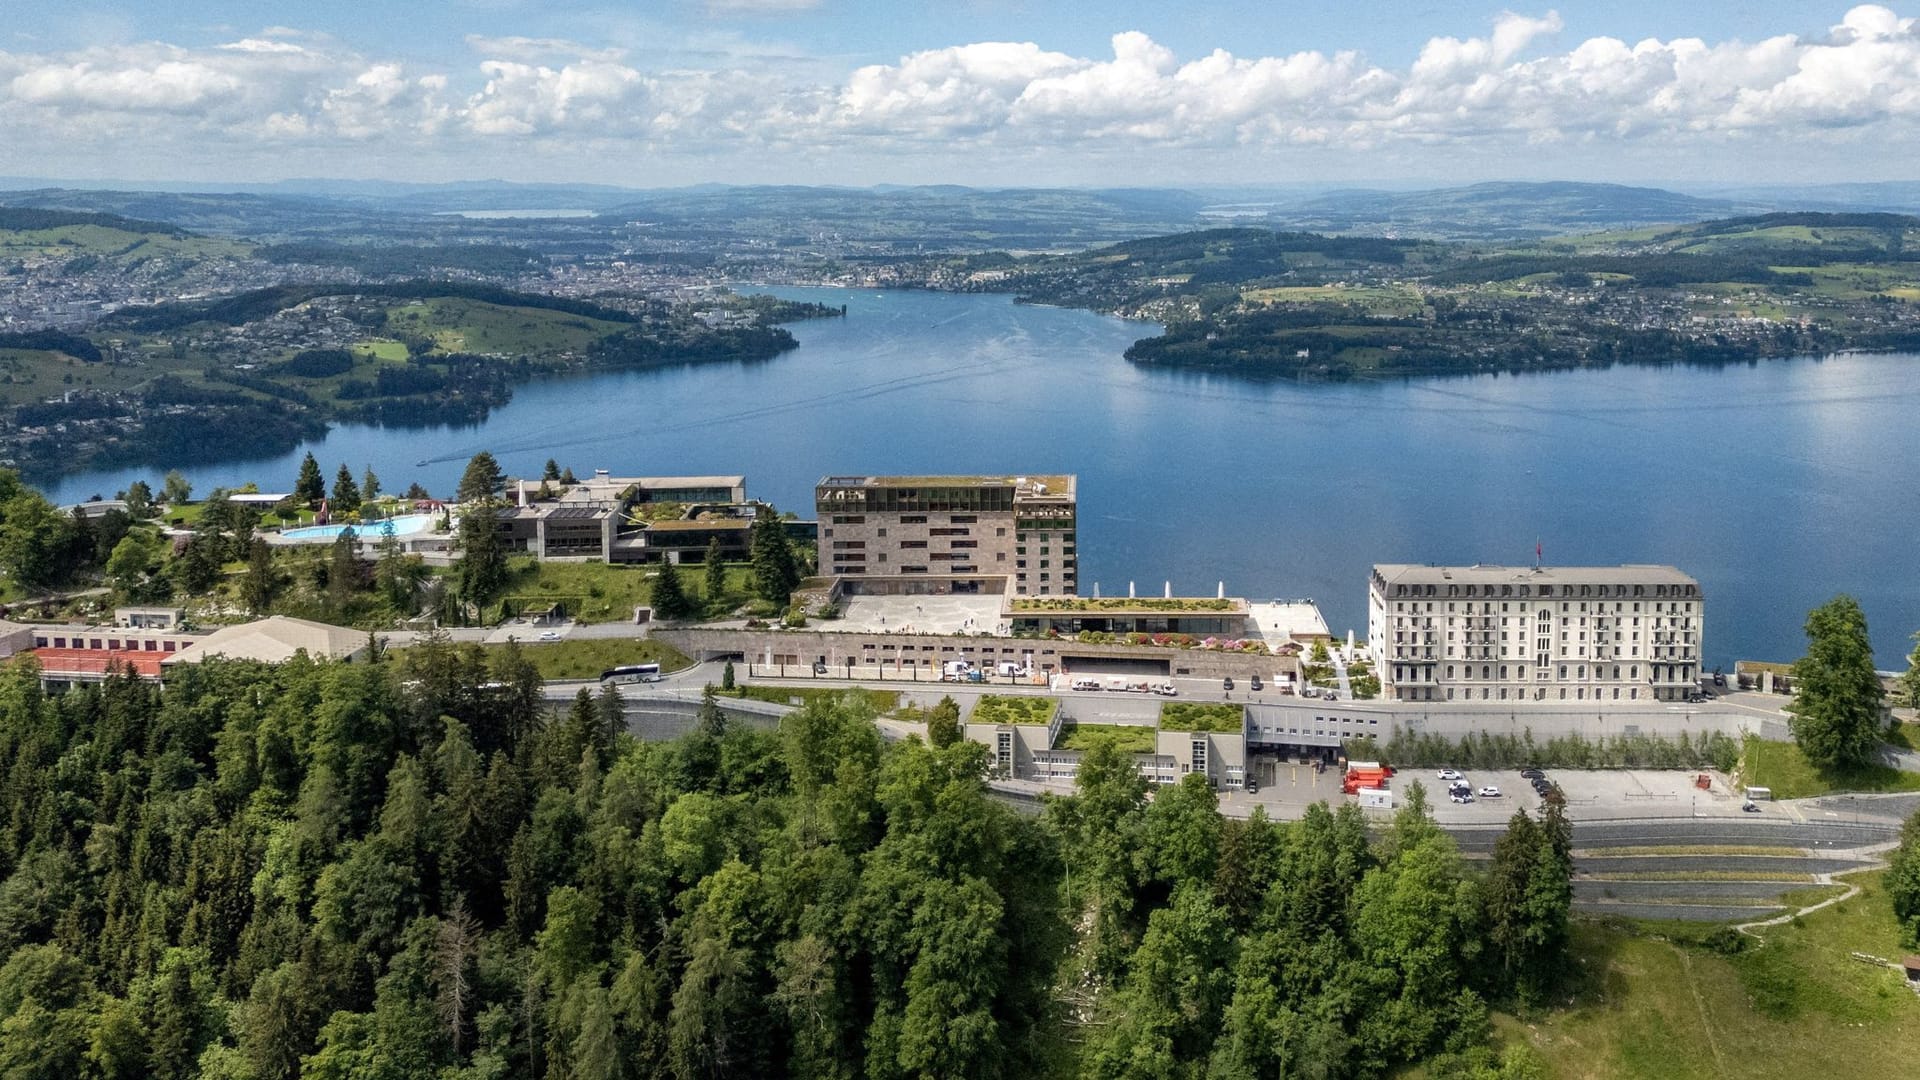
{"x":368,"y":532}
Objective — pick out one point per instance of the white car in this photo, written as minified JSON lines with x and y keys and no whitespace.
{"x":1462,"y":796}
{"x":1489,"y":792}
{"x":549,"y":635}
{"x":1166,"y":689}
{"x":1449,"y":774}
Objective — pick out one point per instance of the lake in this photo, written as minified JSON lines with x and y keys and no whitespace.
{"x":1776,"y":484}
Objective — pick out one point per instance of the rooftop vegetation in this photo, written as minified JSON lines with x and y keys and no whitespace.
{"x":1013,"y":709}
{"x":1130,"y":739}
{"x":1202,"y":716}
{"x":1119,"y":603}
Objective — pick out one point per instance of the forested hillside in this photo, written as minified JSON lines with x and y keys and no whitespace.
{"x":405,"y":869}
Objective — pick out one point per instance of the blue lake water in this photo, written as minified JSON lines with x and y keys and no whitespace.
{"x":1777,"y":484}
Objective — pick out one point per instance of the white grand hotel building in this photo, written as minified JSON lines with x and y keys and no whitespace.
{"x":1558,"y":633}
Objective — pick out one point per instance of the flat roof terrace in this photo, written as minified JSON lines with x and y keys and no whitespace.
{"x":1053,"y":483}
{"x":1124,"y":605}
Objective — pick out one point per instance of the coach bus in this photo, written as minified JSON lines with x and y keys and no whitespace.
{"x":631,"y":673}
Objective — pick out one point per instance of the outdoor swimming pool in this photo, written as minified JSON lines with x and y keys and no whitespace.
{"x":372,"y":530}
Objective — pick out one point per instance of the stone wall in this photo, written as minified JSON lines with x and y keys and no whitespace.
{"x":873,"y":651}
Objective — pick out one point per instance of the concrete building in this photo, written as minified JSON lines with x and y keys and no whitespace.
{"x":602,"y":489}
{"x":1497,"y":633}
{"x":950,"y":534}
{"x":149,"y":618}
{"x":275,"y":639}
{"x":633,"y":519}
{"x":1047,"y":752}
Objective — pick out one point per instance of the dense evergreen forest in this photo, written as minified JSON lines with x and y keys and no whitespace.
{"x":407,"y":868}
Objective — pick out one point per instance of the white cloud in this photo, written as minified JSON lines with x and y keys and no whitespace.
{"x":1512,"y":86}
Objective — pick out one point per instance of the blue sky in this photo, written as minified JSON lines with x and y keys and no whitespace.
{"x":988,"y":91}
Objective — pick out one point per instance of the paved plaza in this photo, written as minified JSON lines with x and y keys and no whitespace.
{"x":947,"y":614}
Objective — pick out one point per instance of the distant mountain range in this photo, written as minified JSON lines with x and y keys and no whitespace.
{"x":949,"y":217}
{"x":1500,"y":210}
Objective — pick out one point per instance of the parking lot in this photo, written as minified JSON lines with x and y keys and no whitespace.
{"x":1615,"y":794}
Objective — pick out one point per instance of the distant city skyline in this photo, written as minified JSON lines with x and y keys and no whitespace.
{"x":987,"y":92}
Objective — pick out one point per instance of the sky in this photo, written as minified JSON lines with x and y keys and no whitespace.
{"x":650,"y":93}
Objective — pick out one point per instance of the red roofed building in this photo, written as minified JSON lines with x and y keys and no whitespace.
{"x":70,"y":666}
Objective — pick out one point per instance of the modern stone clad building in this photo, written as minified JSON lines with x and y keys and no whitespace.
{"x":1557,"y":633}
{"x":633,"y":519}
{"x":961,"y":534}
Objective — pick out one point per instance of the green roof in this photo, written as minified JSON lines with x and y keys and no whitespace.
{"x":1111,"y":604}
{"x":1130,"y":738}
{"x":1216,"y":716}
{"x":1013,"y":709}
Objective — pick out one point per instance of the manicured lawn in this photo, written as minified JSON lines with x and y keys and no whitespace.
{"x":1131,"y":739}
{"x":381,"y":349}
{"x":1783,"y":768}
{"x":586,"y":658}
{"x":1202,"y":716}
{"x":598,"y":592}
{"x":1675,"y":1009}
{"x":1012,"y":709}
{"x":462,"y":325}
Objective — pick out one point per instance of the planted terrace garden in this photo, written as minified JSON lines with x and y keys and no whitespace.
{"x":1013,"y":709}
{"x":1202,"y":716}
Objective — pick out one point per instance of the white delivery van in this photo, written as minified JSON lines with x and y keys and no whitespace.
{"x":1084,"y":683}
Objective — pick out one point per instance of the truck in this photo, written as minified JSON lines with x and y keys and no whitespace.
{"x":955,"y":671}
{"x":1365,"y":775}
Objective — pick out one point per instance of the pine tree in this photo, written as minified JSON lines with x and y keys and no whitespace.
{"x":943,"y":723}
{"x":482,"y":569}
{"x":482,"y":480}
{"x":343,"y":571}
{"x":1837,"y":695}
{"x":140,"y":500}
{"x":346,"y":493}
{"x":310,"y":488}
{"x":726,"y":677}
{"x":262,"y":581}
{"x":1903,"y":881}
{"x":1910,"y":682}
{"x":715,"y":572}
{"x":775,"y":572}
{"x":612,"y":709}
{"x":369,"y":485}
{"x":552,"y":472}
{"x":670,"y":599}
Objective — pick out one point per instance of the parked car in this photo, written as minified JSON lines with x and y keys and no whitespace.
{"x":1253,"y":788}
{"x":1166,"y":689}
{"x":1310,"y":691}
{"x":1489,"y":792}
{"x":1750,"y":807}
{"x":1541,"y":787}
{"x":1448,"y":774}
{"x":1226,"y":683}
{"x":1462,"y":796}
{"x":549,"y":635}
{"x":1533,"y":774}
{"x":1253,"y":684}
